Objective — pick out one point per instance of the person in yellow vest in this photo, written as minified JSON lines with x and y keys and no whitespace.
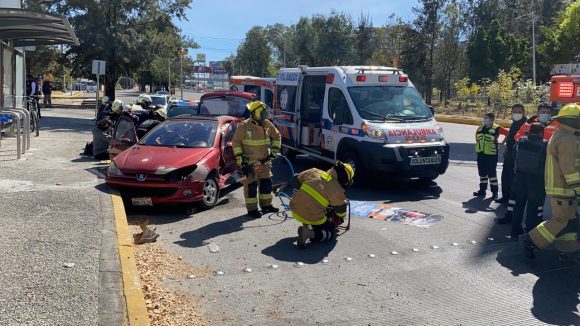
{"x":486,"y":147}
{"x":319,"y":202}
{"x":562,"y":187}
{"x":257,"y":141}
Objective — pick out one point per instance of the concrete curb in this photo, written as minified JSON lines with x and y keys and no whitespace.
{"x":134,"y":299}
{"x":467,"y":121}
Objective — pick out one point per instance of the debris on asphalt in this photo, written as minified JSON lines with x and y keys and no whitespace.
{"x":325,"y":260}
{"x":214,"y":248}
{"x":385,"y":212}
{"x":472,"y":241}
{"x":299,"y":264}
{"x":394,"y":253}
{"x":248,"y":270}
{"x":415,"y":250}
{"x":69,"y":265}
{"x":220,"y":273}
{"x":348,"y":258}
{"x":455,"y":244}
{"x":273,"y":266}
{"x":434,"y":247}
{"x":166,"y":306}
{"x":372,"y":255}
{"x":508,"y":237}
{"x":490,"y":239}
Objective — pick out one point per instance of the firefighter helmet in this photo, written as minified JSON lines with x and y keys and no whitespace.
{"x":117,"y":106}
{"x":258,"y":110}
{"x":345,"y":174}
{"x":144,"y":98}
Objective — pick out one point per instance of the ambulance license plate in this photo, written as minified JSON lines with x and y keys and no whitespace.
{"x":426,"y":160}
{"x":142,"y":201}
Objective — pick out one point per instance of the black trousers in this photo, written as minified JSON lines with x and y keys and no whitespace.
{"x":528,"y":190}
{"x":507,"y":173}
{"x":486,"y":166}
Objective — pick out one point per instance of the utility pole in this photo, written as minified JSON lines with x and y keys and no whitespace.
{"x":284,"y":53}
{"x":169,"y":76}
{"x":63,"y":70}
{"x":534,"y":48}
{"x":181,"y":54}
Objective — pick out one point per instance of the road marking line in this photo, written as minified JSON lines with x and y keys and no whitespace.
{"x":134,"y":299}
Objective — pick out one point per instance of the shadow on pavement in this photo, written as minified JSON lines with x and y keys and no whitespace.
{"x":286,"y":250}
{"x":66,"y":124}
{"x":466,"y":152}
{"x":406,"y":190}
{"x":197,"y":238}
{"x":478,"y":204}
{"x":556,"y":290}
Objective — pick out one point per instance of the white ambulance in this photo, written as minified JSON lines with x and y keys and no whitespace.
{"x":371,"y":117}
{"x":261,"y":86}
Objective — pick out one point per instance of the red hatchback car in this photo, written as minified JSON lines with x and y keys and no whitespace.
{"x":183,"y":160}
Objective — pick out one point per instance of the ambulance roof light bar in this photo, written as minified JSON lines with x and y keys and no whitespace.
{"x":361,"y":70}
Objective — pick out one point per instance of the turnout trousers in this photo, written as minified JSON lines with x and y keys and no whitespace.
{"x":258,"y":188}
{"x":561,"y":229}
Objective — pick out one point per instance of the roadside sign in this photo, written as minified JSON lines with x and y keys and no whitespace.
{"x":98,"y":67}
{"x":183,"y":52}
{"x":200,"y":57}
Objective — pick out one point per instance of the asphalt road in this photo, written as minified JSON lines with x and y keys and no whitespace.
{"x":483,"y":280}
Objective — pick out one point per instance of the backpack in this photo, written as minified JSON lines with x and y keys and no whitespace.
{"x":530,"y":157}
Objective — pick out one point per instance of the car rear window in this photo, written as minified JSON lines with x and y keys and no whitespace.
{"x":182,"y":134}
{"x":224,"y":105}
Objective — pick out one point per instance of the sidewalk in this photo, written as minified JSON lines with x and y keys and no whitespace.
{"x":55,"y":212}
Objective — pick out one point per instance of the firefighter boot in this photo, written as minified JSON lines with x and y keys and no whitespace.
{"x":254,"y":214}
{"x":304,"y":234}
{"x":269,"y":209}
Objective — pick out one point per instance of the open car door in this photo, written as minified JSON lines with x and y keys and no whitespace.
{"x":124,"y":136}
{"x":228,"y":164}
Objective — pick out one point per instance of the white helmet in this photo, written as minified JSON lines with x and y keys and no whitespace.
{"x":117,"y":106}
{"x":105,"y":99}
{"x":144,"y":98}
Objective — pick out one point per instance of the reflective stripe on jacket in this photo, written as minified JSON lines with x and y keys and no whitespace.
{"x":318,"y":191}
{"x":562,"y":164}
{"x":255,"y":142}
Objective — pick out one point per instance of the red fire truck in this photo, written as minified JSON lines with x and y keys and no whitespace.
{"x":565,"y":84}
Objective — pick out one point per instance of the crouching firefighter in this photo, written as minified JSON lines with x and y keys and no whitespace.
{"x":255,"y":143}
{"x":319,"y":202}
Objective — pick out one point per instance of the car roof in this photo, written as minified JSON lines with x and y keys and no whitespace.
{"x":218,"y":118}
{"x":244,"y":95}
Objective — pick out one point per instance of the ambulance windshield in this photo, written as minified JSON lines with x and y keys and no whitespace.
{"x":389,"y":103}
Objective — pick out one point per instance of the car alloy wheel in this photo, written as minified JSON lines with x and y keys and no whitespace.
{"x":210,"y":192}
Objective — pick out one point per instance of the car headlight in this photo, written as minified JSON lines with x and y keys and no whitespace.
{"x":373,"y":131}
{"x":114,"y":170}
{"x":440,"y":131}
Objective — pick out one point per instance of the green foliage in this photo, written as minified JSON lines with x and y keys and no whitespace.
{"x":463,"y":90}
{"x":253,"y":56}
{"x":501,"y":92}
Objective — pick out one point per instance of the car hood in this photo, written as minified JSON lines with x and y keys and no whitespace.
{"x":158,"y":160}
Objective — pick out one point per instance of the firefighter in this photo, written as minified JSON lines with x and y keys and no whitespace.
{"x":319,"y":202}
{"x":256,"y":141}
{"x":530,"y":159}
{"x":562,"y":186}
{"x":486,"y":147}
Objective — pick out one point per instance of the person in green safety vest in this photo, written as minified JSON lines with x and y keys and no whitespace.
{"x":486,"y":148}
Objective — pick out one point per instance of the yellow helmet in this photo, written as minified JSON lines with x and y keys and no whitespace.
{"x":345,"y":173}
{"x":117,"y":106}
{"x":570,"y":110}
{"x":256,"y":108}
{"x":162,"y":113}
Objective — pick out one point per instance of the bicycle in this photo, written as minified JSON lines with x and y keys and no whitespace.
{"x":32,"y":107}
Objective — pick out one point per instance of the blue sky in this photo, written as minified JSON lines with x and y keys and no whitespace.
{"x":219,"y":26}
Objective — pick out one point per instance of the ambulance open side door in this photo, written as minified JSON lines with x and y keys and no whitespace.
{"x":337,"y":121}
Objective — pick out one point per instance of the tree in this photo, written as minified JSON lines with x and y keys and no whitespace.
{"x":280,"y":39}
{"x":364,"y":40}
{"x":305,"y":42}
{"x":428,"y":23}
{"x":569,"y":31}
{"x":254,"y":54}
{"x":334,"y":41}
{"x":413,"y":57}
{"x":127,"y":34}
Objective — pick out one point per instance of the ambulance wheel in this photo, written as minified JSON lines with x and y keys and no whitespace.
{"x":353,"y":159}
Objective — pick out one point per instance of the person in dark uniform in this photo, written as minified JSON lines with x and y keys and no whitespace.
{"x":486,"y":147}
{"x":507,"y":173}
{"x":530,"y":159}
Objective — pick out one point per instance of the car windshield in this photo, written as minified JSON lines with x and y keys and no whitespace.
{"x":182,"y":134}
{"x":389,"y":103}
{"x":176,"y":110}
{"x":158,"y":100}
{"x":224,"y":105}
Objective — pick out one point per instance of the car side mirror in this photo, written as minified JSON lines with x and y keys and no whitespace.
{"x":432,"y":109}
